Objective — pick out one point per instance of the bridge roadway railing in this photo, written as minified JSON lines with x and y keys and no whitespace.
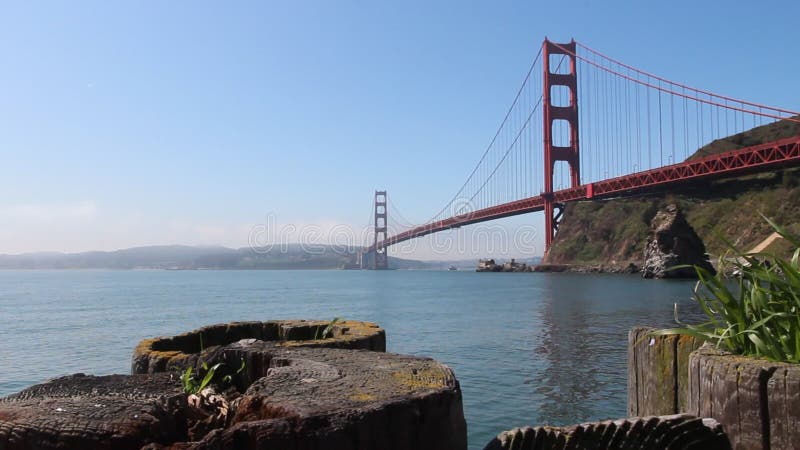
{"x":757,"y":158}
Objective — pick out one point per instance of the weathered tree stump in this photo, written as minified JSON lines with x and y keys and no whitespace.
{"x":175,"y":352}
{"x":673,"y":432}
{"x":88,"y":412}
{"x":756,"y":401}
{"x":658,"y":372}
{"x":291,"y":397}
{"x":336,"y":399}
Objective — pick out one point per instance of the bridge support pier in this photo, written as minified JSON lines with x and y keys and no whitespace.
{"x":567,"y":113}
{"x":380,"y":259}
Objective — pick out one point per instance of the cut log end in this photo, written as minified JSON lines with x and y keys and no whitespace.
{"x":674,"y":431}
{"x":176,"y":352}
{"x":303,"y":397}
{"x":82,"y":411}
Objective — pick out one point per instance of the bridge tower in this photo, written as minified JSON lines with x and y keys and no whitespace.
{"x":551,"y":113}
{"x":380,"y":260}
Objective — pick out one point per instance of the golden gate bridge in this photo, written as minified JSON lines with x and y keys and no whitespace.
{"x":585,"y":126}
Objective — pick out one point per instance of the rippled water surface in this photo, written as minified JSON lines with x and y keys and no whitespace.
{"x":527,"y":348}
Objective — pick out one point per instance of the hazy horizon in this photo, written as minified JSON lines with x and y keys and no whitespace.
{"x":480,"y":241}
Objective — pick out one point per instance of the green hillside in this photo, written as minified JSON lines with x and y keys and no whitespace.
{"x":289,"y":256}
{"x":613,"y":233}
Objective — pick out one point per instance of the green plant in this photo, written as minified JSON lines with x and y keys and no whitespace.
{"x":327,"y":331}
{"x":752,"y":304}
{"x":194,"y":383}
{"x":190,"y":383}
{"x":189,"y":379}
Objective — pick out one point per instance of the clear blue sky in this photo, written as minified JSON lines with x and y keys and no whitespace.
{"x":135,"y":123}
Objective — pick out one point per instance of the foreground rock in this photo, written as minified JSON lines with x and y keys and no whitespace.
{"x":673,"y":242}
{"x":665,"y":432}
{"x":287,"y":396}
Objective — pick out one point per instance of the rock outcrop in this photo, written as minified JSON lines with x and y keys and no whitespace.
{"x":673,"y":242}
{"x":489,"y":265}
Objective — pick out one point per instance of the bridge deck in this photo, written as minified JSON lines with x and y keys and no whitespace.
{"x":773,"y":155}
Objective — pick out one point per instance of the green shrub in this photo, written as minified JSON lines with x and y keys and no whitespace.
{"x":752,"y":304}
{"x":194,"y":382}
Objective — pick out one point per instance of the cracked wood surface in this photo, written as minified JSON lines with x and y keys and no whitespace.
{"x":757,"y":401}
{"x":658,"y":375}
{"x":292,"y":397}
{"x":173,"y":352}
{"x":679,"y":431}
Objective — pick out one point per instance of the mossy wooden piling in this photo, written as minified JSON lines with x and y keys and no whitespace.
{"x":757,"y":402}
{"x":658,"y":372}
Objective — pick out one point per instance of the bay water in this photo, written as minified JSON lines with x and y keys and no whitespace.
{"x":527,"y":348}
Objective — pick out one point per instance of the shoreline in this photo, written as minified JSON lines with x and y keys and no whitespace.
{"x":629,"y":269}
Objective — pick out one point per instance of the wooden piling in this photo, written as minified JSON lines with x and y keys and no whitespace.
{"x":658,"y":372}
{"x":756,"y":401}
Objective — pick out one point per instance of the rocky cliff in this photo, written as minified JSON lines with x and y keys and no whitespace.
{"x":673,"y":242}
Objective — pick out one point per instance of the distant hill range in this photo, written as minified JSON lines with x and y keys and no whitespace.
{"x":291,"y":256}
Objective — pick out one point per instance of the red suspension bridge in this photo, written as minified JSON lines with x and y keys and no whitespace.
{"x":634,"y":132}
